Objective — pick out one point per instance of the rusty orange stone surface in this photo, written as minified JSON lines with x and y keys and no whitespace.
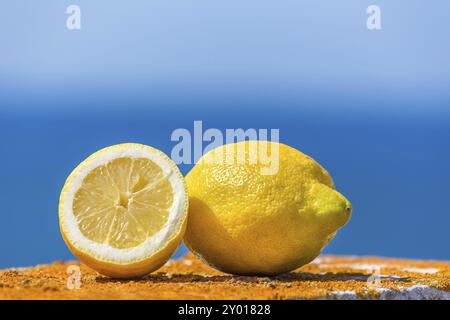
{"x":327,"y":277}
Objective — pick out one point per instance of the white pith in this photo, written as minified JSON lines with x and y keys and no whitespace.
{"x":103,"y":251}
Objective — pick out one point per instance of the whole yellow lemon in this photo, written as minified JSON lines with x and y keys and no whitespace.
{"x":261,"y":208}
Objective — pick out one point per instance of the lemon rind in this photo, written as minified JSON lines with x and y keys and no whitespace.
{"x":152,"y":245}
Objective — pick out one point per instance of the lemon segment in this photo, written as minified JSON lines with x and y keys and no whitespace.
{"x":123,"y":210}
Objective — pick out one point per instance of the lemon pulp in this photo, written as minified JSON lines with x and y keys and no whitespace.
{"x":123,"y":202}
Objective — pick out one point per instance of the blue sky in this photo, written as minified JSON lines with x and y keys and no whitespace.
{"x":284,"y":45}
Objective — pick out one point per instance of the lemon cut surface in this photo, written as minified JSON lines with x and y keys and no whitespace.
{"x":123,"y":210}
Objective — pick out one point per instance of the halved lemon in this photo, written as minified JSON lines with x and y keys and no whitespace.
{"x":123,"y":210}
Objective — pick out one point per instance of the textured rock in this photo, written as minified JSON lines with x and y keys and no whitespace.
{"x":328,"y":277}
